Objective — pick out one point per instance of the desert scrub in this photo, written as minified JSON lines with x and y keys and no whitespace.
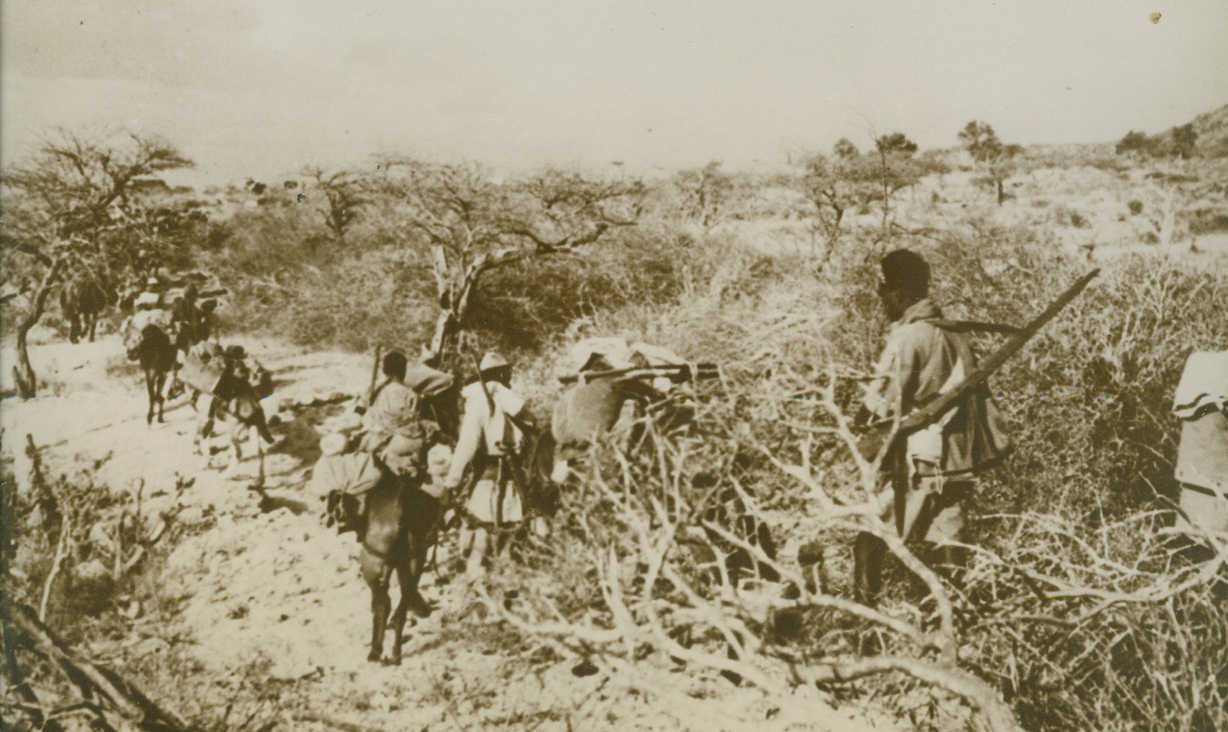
{"x":76,"y":573}
{"x":1082,"y":500}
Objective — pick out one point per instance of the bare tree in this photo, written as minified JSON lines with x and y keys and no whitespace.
{"x":1169,"y":181}
{"x":644,"y":531}
{"x":833,"y":184}
{"x":473,"y":223}
{"x":67,"y":212}
{"x":343,"y":193}
{"x":705,"y":193}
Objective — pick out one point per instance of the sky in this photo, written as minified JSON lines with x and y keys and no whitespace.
{"x":260,"y":90}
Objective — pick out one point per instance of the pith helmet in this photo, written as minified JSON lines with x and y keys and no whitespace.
{"x":492,"y":361}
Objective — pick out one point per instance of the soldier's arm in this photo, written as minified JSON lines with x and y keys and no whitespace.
{"x":880,"y":397}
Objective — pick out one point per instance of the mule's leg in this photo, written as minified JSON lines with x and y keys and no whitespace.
{"x":204,"y":422}
{"x":262,"y":426}
{"x":160,"y":384}
{"x":93,"y":326}
{"x":407,"y":576}
{"x":153,"y":397}
{"x":259,"y":482}
{"x":377,"y":577}
{"x":237,"y":434}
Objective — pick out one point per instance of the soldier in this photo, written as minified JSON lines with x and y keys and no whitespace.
{"x":492,"y":431}
{"x":394,"y":409}
{"x":185,"y":319}
{"x":929,"y":473}
{"x":590,"y":409}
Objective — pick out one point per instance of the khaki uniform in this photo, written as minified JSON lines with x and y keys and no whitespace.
{"x":921,"y":361}
{"x":486,"y":435}
{"x":393,"y":412}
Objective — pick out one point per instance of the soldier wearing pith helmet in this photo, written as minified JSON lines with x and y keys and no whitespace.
{"x":492,"y":431}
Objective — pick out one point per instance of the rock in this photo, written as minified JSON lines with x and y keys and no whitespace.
{"x":191,"y":515}
{"x":150,"y":646}
{"x":583,"y":669}
{"x":380,"y":702}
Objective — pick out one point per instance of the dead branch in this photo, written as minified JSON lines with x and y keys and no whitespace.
{"x":61,"y":552}
{"x":92,"y":681}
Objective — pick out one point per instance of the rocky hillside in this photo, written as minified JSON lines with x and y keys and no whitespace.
{"x":1212,"y":128}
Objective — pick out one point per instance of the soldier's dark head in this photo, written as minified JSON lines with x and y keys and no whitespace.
{"x":395,"y":364}
{"x":906,"y":279}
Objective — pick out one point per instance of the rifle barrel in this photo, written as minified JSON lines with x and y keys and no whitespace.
{"x":700,"y":370}
{"x":935,"y":409}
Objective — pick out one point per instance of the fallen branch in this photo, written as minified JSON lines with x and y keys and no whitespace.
{"x":61,"y":552}
{"x":93,"y":681}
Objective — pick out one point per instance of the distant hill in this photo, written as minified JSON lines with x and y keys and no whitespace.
{"x":1212,"y":128}
{"x":1206,"y":137}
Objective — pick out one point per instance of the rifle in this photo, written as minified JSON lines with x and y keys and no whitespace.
{"x":505,"y":462}
{"x":374,"y":378}
{"x":887,"y":433}
{"x":676,"y":372}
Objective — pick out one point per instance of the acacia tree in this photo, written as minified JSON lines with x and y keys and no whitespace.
{"x":705,"y":193}
{"x":344,"y":197}
{"x":995,"y":156}
{"x":71,"y":211}
{"x":1136,"y":144}
{"x":897,"y":168}
{"x":472,"y":223}
{"x":832,"y":184}
{"x":1184,"y":141}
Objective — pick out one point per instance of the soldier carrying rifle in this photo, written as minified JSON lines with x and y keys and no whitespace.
{"x":929,"y":472}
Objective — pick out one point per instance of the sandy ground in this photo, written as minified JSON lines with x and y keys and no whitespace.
{"x":266,"y":586}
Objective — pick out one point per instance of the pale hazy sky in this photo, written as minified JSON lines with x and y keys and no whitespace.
{"x":262,"y":88}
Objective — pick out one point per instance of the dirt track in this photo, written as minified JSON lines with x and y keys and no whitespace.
{"x":263,"y":592}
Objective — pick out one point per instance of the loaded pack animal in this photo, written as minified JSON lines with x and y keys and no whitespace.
{"x":401,"y":521}
{"x":82,"y":300}
{"x":232,"y":407}
{"x":595,"y":405}
{"x":156,"y":354}
{"x":400,"y":514}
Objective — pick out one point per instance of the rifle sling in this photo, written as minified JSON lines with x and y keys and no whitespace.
{"x":971,"y":326}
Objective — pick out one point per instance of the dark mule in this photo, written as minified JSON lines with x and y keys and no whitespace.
{"x":81,"y":301}
{"x":401,"y":523}
{"x":156,"y":354}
